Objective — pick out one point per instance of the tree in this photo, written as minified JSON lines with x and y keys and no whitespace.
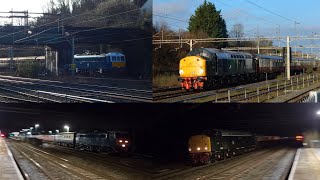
{"x":207,"y":19}
{"x":237,"y":32}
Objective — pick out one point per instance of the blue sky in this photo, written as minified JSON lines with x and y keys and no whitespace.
{"x":305,"y":12}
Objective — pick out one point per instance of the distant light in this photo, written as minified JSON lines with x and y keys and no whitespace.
{"x":37,"y":125}
{"x":67,"y":128}
{"x":50,"y":132}
{"x":299,"y":138}
{"x":57,"y":131}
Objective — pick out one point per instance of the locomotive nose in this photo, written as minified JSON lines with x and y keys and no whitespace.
{"x":123,"y":143}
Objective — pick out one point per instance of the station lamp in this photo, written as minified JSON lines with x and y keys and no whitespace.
{"x":67,"y":128}
{"x":36,"y":127}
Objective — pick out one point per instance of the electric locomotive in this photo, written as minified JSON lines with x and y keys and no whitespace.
{"x":112,"y":141}
{"x":98,"y":64}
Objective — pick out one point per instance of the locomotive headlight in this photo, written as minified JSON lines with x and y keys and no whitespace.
{"x":189,"y":149}
{"x":201,"y":71}
{"x":123,"y":145}
{"x":126,"y":141}
{"x":181,"y":71}
{"x":198,"y":149}
{"x":120,"y":141}
{"x":206,"y":148}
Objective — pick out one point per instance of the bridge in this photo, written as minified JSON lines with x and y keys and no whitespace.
{"x":60,"y":42}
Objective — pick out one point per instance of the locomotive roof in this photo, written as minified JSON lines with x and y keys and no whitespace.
{"x":222,"y":54}
{"x":98,"y":55}
{"x":91,"y":56}
{"x":269,"y":57}
{"x":114,"y":54}
{"x":228,"y":132}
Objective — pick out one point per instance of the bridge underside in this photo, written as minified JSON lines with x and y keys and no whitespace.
{"x":135,"y":43}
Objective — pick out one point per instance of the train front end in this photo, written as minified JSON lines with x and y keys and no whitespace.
{"x":122,"y":142}
{"x":200,"y":149}
{"x":118,"y":61}
{"x":192,"y":70}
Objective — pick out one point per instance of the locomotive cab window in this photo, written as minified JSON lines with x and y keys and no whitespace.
{"x":112,"y":135}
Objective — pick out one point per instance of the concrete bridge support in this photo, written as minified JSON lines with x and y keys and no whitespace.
{"x":58,"y":57}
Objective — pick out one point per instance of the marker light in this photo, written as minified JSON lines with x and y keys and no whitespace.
{"x":299,"y":138}
{"x":126,"y":141}
{"x":201,"y":71}
{"x":123,"y":145}
{"x":181,"y":72}
{"x":206,"y":148}
{"x":120,"y":141}
{"x":189,"y":149}
{"x":198,"y":149}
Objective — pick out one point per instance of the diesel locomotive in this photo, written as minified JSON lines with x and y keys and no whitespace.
{"x":214,"y":145}
{"x":204,"y":68}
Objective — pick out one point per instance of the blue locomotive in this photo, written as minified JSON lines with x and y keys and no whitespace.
{"x":98,"y":64}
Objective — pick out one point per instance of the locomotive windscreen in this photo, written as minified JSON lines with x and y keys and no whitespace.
{"x":202,"y":53}
{"x":122,"y":135}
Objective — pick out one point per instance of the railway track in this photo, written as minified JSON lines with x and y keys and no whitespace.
{"x":255,"y":165}
{"x":131,"y":164}
{"x":256,"y":92}
{"x":58,"y":165}
{"x":85,"y":92}
{"x":163,"y":95}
